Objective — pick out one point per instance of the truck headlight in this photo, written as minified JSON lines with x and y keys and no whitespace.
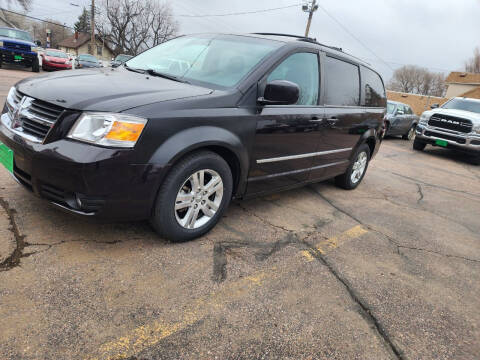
{"x":34,"y":48}
{"x":1,"y":43}
{"x":424,"y":119}
{"x":108,"y":129}
{"x":476,"y":128}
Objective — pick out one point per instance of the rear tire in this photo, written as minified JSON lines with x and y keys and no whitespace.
{"x":419,"y":145}
{"x":356,"y":171}
{"x":35,"y":65}
{"x":410,"y":134}
{"x":185,"y":207}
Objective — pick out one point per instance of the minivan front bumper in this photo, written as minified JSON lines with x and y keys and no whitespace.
{"x":83,"y":179}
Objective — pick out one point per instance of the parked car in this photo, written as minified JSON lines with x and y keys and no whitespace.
{"x":17,"y":47}
{"x":120,"y":59}
{"x":53,"y":59}
{"x":86,"y":61}
{"x":454,"y":125}
{"x":400,"y":120}
{"x":254,"y":114}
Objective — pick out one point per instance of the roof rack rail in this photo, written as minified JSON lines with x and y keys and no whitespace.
{"x":302,"y":38}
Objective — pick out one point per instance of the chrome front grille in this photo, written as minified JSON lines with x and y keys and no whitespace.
{"x":32,"y":117}
{"x":451,"y":123}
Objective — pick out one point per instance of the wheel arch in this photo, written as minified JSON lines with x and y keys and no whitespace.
{"x":218,"y":140}
{"x":370,"y":138}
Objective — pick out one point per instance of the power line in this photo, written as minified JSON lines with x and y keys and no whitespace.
{"x":352,"y":35}
{"x":35,"y":18}
{"x":240,"y":13}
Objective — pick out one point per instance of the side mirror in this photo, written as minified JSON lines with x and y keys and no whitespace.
{"x":434,"y":106}
{"x":38,"y":43}
{"x":280,"y":92}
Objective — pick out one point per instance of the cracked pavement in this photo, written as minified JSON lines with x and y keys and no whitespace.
{"x":388,"y":271}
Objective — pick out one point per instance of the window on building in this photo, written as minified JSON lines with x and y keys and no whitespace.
{"x":99,"y":50}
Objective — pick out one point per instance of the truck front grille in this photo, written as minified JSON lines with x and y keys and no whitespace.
{"x":450,"y":123}
{"x":15,"y":46}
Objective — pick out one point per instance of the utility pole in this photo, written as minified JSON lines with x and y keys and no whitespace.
{"x":310,"y":8}
{"x":92,"y":24}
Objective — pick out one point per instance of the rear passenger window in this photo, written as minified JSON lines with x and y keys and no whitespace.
{"x":374,"y":89}
{"x":301,"y":69}
{"x":342,"y":83}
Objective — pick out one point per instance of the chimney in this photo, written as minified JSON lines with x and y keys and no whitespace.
{"x":75,"y":37}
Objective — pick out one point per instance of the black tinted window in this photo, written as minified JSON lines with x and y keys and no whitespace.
{"x":374,"y":89}
{"x":342,"y":83}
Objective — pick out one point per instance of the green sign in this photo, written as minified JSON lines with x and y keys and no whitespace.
{"x":6,"y":157}
{"x":18,"y":57}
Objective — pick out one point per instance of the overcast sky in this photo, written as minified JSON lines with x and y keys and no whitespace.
{"x":438,"y":34}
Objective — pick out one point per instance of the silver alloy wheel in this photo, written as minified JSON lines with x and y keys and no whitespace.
{"x":359,"y":167}
{"x":411,"y":133}
{"x":198,"y":199}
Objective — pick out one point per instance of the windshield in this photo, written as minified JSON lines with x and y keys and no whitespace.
{"x":89,"y":58}
{"x":57,"y":54}
{"x":222,"y":60}
{"x":16,"y":34}
{"x":390,"y":108}
{"x":123,"y":58}
{"x":463,"y":104}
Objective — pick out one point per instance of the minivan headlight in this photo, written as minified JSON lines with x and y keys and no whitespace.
{"x":108,"y":129}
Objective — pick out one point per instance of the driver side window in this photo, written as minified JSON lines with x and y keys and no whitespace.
{"x":301,"y":69}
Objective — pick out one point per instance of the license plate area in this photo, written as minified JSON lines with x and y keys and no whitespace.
{"x":6,"y":157}
{"x":441,"y":143}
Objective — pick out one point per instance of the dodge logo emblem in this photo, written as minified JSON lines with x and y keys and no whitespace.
{"x":17,"y":113}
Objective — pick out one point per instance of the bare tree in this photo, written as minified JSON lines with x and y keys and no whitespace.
{"x":25,"y":4}
{"x":58,"y":32}
{"x":473,"y":64}
{"x":132,"y":26}
{"x":417,"y":80}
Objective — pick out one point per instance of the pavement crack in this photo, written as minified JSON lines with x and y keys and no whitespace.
{"x":420,"y":193}
{"x":264,"y":220}
{"x":438,"y":253}
{"x":417,"y":181}
{"x":14,"y":259}
{"x":365,"y":310}
{"x":390,"y":239}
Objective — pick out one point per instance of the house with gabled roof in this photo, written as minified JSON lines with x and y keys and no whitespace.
{"x":462,"y":83}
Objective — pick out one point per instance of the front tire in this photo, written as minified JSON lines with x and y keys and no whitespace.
{"x":411,"y":133}
{"x":356,"y":171}
{"x":419,"y":145}
{"x":35,"y":65}
{"x":193,"y":197}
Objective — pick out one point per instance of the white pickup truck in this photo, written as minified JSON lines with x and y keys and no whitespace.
{"x":455,"y":125}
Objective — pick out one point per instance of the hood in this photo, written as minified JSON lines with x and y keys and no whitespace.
{"x":16,"y":41}
{"x":472,"y":116}
{"x":56,"y":59}
{"x":106,"y":89}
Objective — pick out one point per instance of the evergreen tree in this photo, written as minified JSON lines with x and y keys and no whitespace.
{"x":83,"y":22}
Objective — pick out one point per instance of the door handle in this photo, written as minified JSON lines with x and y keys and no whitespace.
{"x":315,"y":119}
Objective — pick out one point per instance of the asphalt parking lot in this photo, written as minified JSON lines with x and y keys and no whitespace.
{"x":390,"y":270}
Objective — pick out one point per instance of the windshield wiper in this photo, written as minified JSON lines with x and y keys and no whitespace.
{"x":166,"y":76}
{"x":141,"y":71}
